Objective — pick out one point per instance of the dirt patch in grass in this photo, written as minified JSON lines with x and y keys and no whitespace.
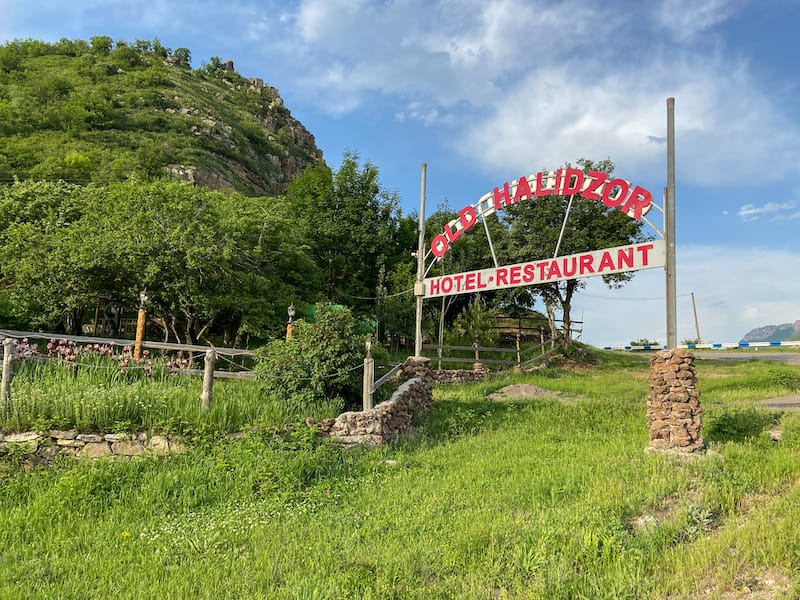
{"x":521,"y":390}
{"x":783,"y":403}
{"x":752,"y":584}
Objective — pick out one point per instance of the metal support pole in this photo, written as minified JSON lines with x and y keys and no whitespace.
{"x":696,"y":322}
{"x":9,"y":351}
{"x":208,"y":380}
{"x":419,"y":286}
{"x":669,"y":229}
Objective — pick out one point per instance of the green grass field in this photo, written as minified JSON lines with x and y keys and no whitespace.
{"x":544,"y":497}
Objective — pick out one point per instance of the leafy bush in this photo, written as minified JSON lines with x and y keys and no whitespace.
{"x":317,"y":365}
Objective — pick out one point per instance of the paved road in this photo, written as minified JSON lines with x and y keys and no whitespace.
{"x":785,"y":357}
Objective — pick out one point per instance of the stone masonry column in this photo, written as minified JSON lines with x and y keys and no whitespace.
{"x":673,"y":404}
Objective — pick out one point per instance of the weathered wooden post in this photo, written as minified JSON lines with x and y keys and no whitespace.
{"x":477,"y":366}
{"x":519,"y":356}
{"x":141,"y":320}
{"x":9,"y":350}
{"x":369,"y":376}
{"x":208,"y":380}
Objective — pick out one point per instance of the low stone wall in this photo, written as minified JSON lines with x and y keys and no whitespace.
{"x":387,"y":420}
{"x":47,"y":446}
{"x":474,"y":375}
{"x":673,"y":405}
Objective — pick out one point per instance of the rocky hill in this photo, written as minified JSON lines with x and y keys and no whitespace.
{"x":774,"y":333}
{"x":99,"y":111}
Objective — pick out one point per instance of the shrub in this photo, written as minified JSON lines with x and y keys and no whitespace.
{"x":319,"y":364}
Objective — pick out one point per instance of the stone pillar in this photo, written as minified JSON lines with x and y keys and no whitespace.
{"x":673,"y":404}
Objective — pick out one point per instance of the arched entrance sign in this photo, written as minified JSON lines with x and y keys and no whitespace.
{"x":633,"y":200}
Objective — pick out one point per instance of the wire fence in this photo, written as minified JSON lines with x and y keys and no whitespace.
{"x":67,"y":350}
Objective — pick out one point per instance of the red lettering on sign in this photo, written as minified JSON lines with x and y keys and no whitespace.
{"x":621,"y":187}
{"x":557,"y":186}
{"x":523,"y":190}
{"x":570,"y":271}
{"x":637,"y":202}
{"x":481,"y":283}
{"x":594,"y":180}
{"x":541,"y":266}
{"x":447,"y":285}
{"x":468,"y":217}
{"x":439,"y":246}
{"x":606,"y":262}
{"x":469,"y":283}
{"x":554,"y":270}
{"x":503,"y":198}
{"x":515,"y":274}
{"x":529,"y":273}
{"x":434,"y":287}
{"x":586,"y":264}
{"x":573,"y":186}
{"x":459,"y":279}
{"x":452,"y":231}
{"x":645,"y":252}
{"x":625,"y":257}
{"x":539,"y":190}
{"x":501,"y":276}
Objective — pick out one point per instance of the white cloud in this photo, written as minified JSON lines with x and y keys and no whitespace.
{"x":686,"y":19}
{"x":751,"y":212}
{"x":724,"y":123}
{"x":735,"y":290}
{"x":447,"y":52}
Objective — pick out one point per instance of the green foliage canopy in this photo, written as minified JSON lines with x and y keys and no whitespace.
{"x":205,"y":257}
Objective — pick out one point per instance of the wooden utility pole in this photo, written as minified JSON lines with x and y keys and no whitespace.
{"x":669,"y":229}
{"x":419,"y":286}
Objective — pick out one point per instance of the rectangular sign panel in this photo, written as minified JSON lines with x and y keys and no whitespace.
{"x":644,"y":255}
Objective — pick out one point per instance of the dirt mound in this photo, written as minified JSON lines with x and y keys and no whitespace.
{"x":521,"y":390}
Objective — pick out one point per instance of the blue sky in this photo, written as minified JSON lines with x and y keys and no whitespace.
{"x":484,"y":92}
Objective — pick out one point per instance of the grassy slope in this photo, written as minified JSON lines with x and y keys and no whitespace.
{"x":121,"y":117}
{"x":542,"y":498}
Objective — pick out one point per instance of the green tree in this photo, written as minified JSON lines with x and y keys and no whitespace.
{"x":184,"y":57}
{"x":351,"y":225}
{"x":206,"y":258}
{"x":101,"y":44}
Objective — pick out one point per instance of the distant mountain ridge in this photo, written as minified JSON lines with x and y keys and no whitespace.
{"x":774,"y":333}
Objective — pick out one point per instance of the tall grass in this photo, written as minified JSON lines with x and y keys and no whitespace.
{"x":98,"y":396}
{"x":545,"y":497}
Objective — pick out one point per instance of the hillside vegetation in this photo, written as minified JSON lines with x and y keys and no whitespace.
{"x":101,"y":111}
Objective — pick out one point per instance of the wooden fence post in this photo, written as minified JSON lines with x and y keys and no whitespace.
{"x":519,"y":356}
{"x":8,"y":372}
{"x":477,"y":364}
{"x":369,"y":377}
{"x":208,"y":380}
